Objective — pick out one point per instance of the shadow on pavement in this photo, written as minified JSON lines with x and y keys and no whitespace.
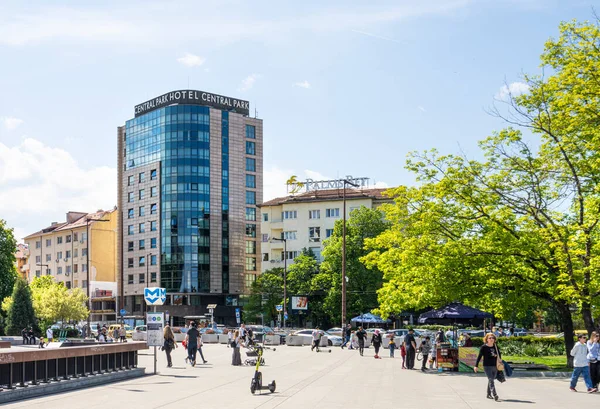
{"x":516,"y":401}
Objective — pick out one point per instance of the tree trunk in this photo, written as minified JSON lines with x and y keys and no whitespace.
{"x":567,"y":324}
{"x":588,"y":320}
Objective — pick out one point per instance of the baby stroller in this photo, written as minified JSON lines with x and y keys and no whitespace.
{"x":252,"y":355}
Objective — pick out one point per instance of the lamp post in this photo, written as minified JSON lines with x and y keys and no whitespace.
{"x":87,"y":261}
{"x":284,"y":276}
{"x":346,"y":181}
{"x":147,"y":269}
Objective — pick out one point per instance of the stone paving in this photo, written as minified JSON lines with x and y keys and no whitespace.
{"x":305,"y":379}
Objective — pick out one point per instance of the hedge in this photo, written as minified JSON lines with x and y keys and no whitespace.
{"x":527,"y":345}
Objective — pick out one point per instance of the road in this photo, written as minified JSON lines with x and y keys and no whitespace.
{"x":305,"y":379}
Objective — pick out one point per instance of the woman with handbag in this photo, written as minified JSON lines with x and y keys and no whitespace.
{"x":169,"y":343}
{"x":492,"y":363}
{"x":236,"y":359}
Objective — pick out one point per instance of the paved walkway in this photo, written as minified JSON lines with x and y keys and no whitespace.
{"x":340,"y":379}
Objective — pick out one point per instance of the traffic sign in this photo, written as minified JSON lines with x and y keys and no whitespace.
{"x":155,"y":295}
{"x":279,"y":307}
{"x":122,"y":312}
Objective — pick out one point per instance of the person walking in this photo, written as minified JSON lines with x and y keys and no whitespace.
{"x":191,"y":340}
{"x":200,"y":344}
{"x":490,"y":354}
{"x":347,"y":335}
{"x":377,"y":343}
{"x":236,"y":359}
{"x":123,"y":333}
{"x":243,"y":332}
{"x":581,"y":365}
{"x":392,"y":345}
{"x":229,"y":338}
{"x":361,"y":334}
{"x":411,"y":348}
{"x":49,"y":334}
{"x":593,"y":346}
{"x":169,"y":343}
{"x":425,"y":350}
{"x":316,"y":339}
{"x":403,"y":355}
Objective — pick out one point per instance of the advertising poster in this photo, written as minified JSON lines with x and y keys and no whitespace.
{"x":299,"y":303}
{"x":467,"y":356}
{"x":155,"y":323}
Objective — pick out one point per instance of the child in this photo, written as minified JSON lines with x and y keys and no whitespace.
{"x":392,"y":345}
{"x":403,"y":354}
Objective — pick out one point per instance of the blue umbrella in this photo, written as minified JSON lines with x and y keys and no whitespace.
{"x":369,"y":318}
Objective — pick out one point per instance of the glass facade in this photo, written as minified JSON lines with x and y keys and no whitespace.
{"x":178,"y":136}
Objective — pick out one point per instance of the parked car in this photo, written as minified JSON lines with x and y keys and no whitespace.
{"x":332,"y":340}
{"x":335,"y":331}
{"x":259,"y":331}
{"x":399,"y":335}
{"x":140,"y":333}
{"x":128,"y":330}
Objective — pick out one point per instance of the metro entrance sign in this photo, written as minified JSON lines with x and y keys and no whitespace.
{"x":155,"y":295}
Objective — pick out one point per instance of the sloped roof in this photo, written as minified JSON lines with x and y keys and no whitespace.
{"x":79,"y":222}
{"x":328,"y":195}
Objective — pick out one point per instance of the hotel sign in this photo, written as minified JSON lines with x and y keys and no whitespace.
{"x":310,"y":184}
{"x":191,"y":97}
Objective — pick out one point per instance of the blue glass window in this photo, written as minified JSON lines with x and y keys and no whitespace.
{"x":153,"y":225}
{"x":250,"y":214}
{"x":130,"y":214}
{"x":130,"y":229}
{"x":130,"y":197}
{"x":153,"y":243}
{"x":250,"y":197}
{"x":153,"y":208}
{"x":141,"y":194}
{"x":153,"y":174}
{"x":142,"y":261}
{"x":142,"y":211}
{"x":142,"y":244}
{"x":251,"y":164}
{"x":142,"y":227}
{"x":250,"y":148}
{"x":251,"y":181}
{"x":250,"y":132}
{"x":153,"y":260}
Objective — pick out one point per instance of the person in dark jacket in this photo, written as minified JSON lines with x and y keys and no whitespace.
{"x":490,"y":353}
{"x":361,"y":334}
{"x":347,"y":332}
{"x":169,"y":343}
{"x":377,"y":343}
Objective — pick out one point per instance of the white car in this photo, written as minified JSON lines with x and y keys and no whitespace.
{"x":332,"y":340}
{"x":399,"y":335}
{"x":335,"y":331}
{"x":140,"y":333}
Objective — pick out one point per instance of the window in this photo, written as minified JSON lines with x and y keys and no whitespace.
{"x":314,"y":234}
{"x":75,"y":253}
{"x":265,"y":238}
{"x":84,"y":252}
{"x":153,"y":208}
{"x":48,"y":257}
{"x":152,"y":277}
{"x":59,"y":240}
{"x":142,"y":177}
{"x":68,"y":270}
{"x":58,"y":256}
{"x":68,"y":254}
{"x":292,"y":254}
{"x":265,"y":217}
{"x":142,"y":278}
{"x":142,"y":261}
{"x":154,"y":191}
{"x":141,"y":194}
{"x":142,"y":211}
{"x":289,"y":214}
{"x":265,"y":257}
{"x":250,"y":247}
{"x":84,"y":268}
{"x":332,"y":212}
{"x":130,"y":229}
{"x":250,"y":132}
{"x":130,"y":279}
{"x":251,"y":164}
{"x":251,"y":181}
{"x":83,"y":236}
{"x":130,"y":262}
{"x":38,"y":259}
{"x":193,"y":186}
{"x":250,"y":214}
{"x":250,"y":263}
{"x":68,"y":238}
{"x":352,"y":209}
{"x":251,"y":230}
{"x":130,"y":181}
{"x":75,"y":236}
{"x":142,"y":227}
{"x":250,"y":148}
{"x":38,"y":244}
{"x":48,"y":242}
{"x":130,"y":213}
{"x":250,"y":197}
{"x":289,"y":235}
{"x":328,"y":233}
{"x":153,"y":243}
{"x":142,"y":244}
{"x":38,"y":273}
{"x":153,"y":174}
{"x":153,"y":225}
{"x":153,"y":260}
{"x":129,"y":246}
{"x":75,"y":267}
{"x":317,"y":252}
{"x":250,"y":278}
{"x":314,"y":214}
{"x":84,"y":284}
{"x":130,"y":197}
{"x":59,"y":270}
{"x":48,"y":271}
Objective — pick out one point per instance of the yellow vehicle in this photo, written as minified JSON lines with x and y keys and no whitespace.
{"x":128,"y":330}
{"x":562,"y":334}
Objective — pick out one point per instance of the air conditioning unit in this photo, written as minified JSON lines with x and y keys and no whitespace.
{"x":67,"y":273}
{"x":57,"y":260}
{"x":66,"y":259}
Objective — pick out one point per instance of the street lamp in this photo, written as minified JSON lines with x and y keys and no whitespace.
{"x":284,"y":276}
{"x":87,"y":261}
{"x":346,"y":181}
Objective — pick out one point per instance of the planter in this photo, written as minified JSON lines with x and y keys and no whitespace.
{"x":294,"y":340}
{"x":210,"y":338}
{"x":179,"y":337}
{"x":223,"y":339}
{"x":272,"y":339}
{"x":324,"y":341}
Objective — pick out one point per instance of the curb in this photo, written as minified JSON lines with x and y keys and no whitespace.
{"x":516,"y":374}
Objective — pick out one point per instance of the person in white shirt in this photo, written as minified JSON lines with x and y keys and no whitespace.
{"x":316,"y":337}
{"x":243,"y":332}
{"x":49,"y":334}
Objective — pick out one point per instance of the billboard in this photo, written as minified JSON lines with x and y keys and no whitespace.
{"x":299,"y":303}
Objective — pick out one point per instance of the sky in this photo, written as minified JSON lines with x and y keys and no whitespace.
{"x":343,"y":87}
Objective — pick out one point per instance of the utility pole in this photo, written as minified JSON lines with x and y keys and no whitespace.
{"x":346,"y":181}
{"x":284,"y":277}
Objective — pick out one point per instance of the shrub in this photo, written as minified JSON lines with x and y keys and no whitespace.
{"x":528,"y":345}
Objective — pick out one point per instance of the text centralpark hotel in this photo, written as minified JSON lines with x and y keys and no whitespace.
{"x":190,"y":176}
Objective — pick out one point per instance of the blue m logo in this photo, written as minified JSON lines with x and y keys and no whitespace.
{"x":155,"y":295}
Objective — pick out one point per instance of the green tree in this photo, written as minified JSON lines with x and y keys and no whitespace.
{"x":53,"y":302}
{"x":8,"y":275}
{"x":266,"y":293}
{"x":20,"y":313}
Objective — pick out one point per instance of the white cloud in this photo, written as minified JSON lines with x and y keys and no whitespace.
{"x":376,"y":36}
{"x":40,"y":184}
{"x":10,"y":122}
{"x":380,"y":185}
{"x":513,"y":89}
{"x":191,"y":60}
{"x":248,"y":82}
{"x":421,"y":108}
{"x":303,"y":84}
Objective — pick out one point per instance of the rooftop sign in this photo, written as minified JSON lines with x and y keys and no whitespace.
{"x":191,"y":97}
{"x":294,"y":186}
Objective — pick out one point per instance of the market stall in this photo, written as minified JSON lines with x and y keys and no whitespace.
{"x":448,"y":354}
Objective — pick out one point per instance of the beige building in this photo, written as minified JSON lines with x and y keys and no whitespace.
{"x":306,"y":220}
{"x":63,"y":251}
{"x":190,"y":177}
{"x":22,"y":260}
